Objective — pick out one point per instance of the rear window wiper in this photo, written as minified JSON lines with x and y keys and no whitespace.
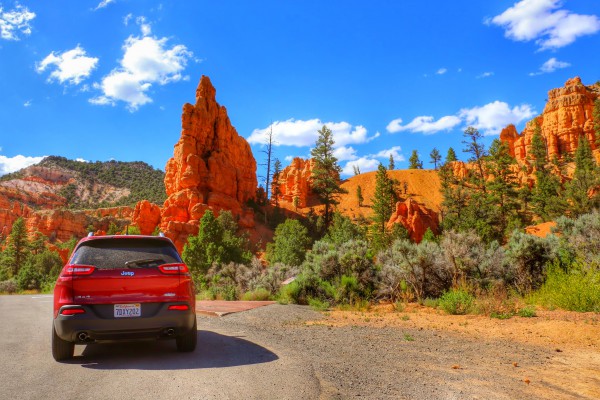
{"x":144,"y":261}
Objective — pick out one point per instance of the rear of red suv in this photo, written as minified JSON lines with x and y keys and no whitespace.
{"x":123,"y":287}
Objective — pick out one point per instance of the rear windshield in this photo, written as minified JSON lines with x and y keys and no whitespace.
{"x":125,"y":253}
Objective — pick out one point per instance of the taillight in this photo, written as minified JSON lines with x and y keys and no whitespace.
{"x":173,"y":269}
{"x":72,"y":311}
{"x":179,"y":307}
{"x":77,"y":270}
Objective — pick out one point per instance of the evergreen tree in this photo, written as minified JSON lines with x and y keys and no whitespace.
{"x":435,"y":158}
{"x":296,"y":203}
{"x":477,"y":150}
{"x":343,"y":230}
{"x":290,"y":243}
{"x":547,"y":200}
{"x":414,"y":162}
{"x":503,"y":190}
{"x":584,"y":179}
{"x":17,"y":250}
{"x":391,"y":164}
{"x":359,"y":196}
{"x":384,"y":199}
{"x":451,"y":155}
{"x":326,"y":172}
{"x":275,"y":182}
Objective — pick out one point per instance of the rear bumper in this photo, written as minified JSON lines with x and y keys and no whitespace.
{"x":98,"y":326}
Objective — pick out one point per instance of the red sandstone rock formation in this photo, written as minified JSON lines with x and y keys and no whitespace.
{"x":566,"y":117}
{"x":146,"y":216}
{"x":416,"y":218}
{"x":212,"y":167}
{"x":294,"y":181}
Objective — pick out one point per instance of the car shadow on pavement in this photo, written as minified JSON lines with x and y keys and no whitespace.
{"x":213,"y":351}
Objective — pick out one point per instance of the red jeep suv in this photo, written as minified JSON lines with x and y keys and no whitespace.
{"x":123,"y":287}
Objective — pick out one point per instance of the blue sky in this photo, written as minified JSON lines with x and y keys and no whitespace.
{"x":106,"y":79}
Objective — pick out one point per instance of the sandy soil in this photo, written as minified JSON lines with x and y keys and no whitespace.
{"x":572,"y":372}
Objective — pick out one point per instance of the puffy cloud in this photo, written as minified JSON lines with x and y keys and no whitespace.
{"x":301,"y":133}
{"x":550,"y":66}
{"x":441,"y":71}
{"x":144,"y":25}
{"x":15,"y":22}
{"x":344,"y":153}
{"x":424,"y":124}
{"x":492,"y":117}
{"x":365,"y":164}
{"x":545,"y":22}
{"x":146,"y":60}
{"x":371,"y":162}
{"x":71,"y":66}
{"x":13,"y":164}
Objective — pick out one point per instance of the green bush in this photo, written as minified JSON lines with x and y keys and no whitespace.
{"x":290,"y":243}
{"x":576,"y":290}
{"x":259,"y":294}
{"x":8,"y":286}
{"x":528,"y":256}
{"x":318,"y":304}
{"x":456,"y":302}
{"x":527,"y":312}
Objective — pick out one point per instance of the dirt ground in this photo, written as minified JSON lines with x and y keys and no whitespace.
{"x":574,"y":338}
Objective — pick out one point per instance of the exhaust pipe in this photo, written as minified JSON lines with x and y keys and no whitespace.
{"x":169,"y":332}
{"x":83,"y":336}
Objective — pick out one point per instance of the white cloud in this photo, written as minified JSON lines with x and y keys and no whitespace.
{"x":127,"y":18}
{"x":545,"y":22}
{"x":71,"y":66}
{"x":441,"y":71}
{"x":28,"y":103}
{"x":302,"y":133}
{"x":144,"y":26}
{"x":371,"y":162}
{"x":13,"y":164}
{"x":365,"y":164}
{"x":104,"y":3}
{"x":289,"y":158}
{"x":492,"y":117}
{"x":424,"y":124}
{"x":344,"y":153}
{"x":15,"y":22}
{"x":145,"y":61}
{"x":550,"y":66}
{"x":82,"y":160}
{"x":485,"y":75}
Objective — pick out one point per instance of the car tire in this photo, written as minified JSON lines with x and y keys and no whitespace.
{"x":187,"y":343}
{"x":61,"y":349}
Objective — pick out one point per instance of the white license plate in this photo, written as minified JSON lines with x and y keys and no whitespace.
{"x":128,"y":310}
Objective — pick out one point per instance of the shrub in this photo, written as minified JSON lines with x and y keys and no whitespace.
{"x":576,"y":290}
{"x":528,"y":256}
{"x":29,"y":278}
{"x":527,"y":312}
{"x":259,"y":294}
{"x":8,"y":286}
{"x":289,"y":243}
{"x":579,"y":238}
{"x":456,"y":302}
{"x":317,"y":304}
{"x":411,"y":270}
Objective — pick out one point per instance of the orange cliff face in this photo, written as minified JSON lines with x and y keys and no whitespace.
{"x":146,"y":216}
{"x":567,"y":116}
{"x":212,"y":168}
{"x":294,"y":181}
{"x":416,"y":218}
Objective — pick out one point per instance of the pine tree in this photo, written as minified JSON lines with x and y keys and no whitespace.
{"x":275,"y":185}
{"x":477,"y":150}
{"x":584,"y":179}
{"x":414,"y":162}
{"x":383,"y":200}
{"x":435,"y":158}
{"x":391,"y":164}
{"x":503,"y":190}
{"x":359,"y":196}
{"x":17,"y":250}
{"x":326,"y":172}
{"x":451,"y":155}
{"x":547,"y":200}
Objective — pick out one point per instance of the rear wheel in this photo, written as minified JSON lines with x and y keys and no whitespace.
{"x":187,"y":342}
{"x":61,"y":349}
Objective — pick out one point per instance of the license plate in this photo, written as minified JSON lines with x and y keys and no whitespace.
{"x":128,"y":310}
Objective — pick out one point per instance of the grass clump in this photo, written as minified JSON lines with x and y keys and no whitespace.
{"x":527,"y":312}
{"x":259,"y":294}
{"x":456,"y":302}
{"x":317,"y":304}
